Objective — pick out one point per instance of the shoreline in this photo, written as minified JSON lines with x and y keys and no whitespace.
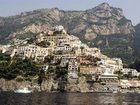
{"x":72,"y":92}
{"x":106,"y":92}
{"x":52,"y":87}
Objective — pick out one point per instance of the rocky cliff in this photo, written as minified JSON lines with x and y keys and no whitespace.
{"x":136,"y":47}
{"x":136,"y":41}
{"x":51,"y":85}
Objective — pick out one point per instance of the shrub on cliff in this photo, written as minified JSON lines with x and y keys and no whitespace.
{"x":15,"y":67}
{"x":61,"y":72}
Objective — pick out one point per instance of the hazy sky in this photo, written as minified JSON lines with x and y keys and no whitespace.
{"x":11,"y":7}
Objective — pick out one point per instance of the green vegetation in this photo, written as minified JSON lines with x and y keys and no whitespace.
{"x":48,"y":59}
{"x":4,"y":57}
{"x":41,"y":78}
{"x":31,"y":40}
{"x":61,"y":72}
{"x":88,"y":77}
{"x":136,"y":64}
{"x":27,"y":35}
{"x":95,"y":60}
{"x":11,"y":68}
{"x":19,"y":78}
{"x":123,"y":21}
{"x":120,"y":46}
{"x":43,"y":44}
{"x":125,"y":76}
{"x":139,"y":77}
{"x":119,"y":73}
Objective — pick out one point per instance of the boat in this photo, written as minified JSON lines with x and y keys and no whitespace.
{"x":115,"y":92}
{"x":24,"y":90}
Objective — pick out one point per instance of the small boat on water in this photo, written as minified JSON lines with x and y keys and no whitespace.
{"x":115,"y":92}
{"x":24,"y":90}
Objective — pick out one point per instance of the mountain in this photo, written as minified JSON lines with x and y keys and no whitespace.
{"x":137,"y":28}
{"x":103,"y":26}
{"x":136,"y":47}
{"x":136,"y":41}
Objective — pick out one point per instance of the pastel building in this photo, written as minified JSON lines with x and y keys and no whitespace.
{"x":33,"y":51}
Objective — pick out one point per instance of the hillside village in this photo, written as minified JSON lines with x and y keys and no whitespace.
{"x":71,"y":65}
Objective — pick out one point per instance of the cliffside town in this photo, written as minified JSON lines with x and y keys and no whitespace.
{"x":103,"y":26}
{"x":69,"y":65}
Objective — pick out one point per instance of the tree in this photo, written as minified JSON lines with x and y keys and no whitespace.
{"x":43,"y":44}
{"x":48,"y":59}
{"x":4,"y":56}
{"x":128,"y":76}
{"x":61,"y":72}
{"x":136,"y":65}
{"x":139,"y":77}
{"x":119,"y":74}
{"x":31,"y":40}
{"x":10,"y":70}
{"x":82,"y":48}
{"x":41,"y":77}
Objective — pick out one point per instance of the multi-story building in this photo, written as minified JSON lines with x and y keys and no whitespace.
{"x":115,"y":64}
{"x":91,"y":51}
{"x":133,"y":72}
{"x":66,"y":59}
{"x":72,"y":71}
{"x":64,"y":49}
{"x":33,"y":51}
{"x":90,"y":69}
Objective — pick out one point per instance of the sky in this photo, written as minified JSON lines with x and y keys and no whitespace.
{"x":131,"y":8}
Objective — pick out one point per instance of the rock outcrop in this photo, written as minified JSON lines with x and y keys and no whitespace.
{"x":101,"y":20}
{"x":50,"y":85}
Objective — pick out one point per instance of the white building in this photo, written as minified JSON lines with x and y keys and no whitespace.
{"x":63,"y":48}
{"x":73,"y":69}
{"x":114,"y":64}
{"x":133,"y":72}
{"x":33,"y":51}
{"x":44,"y":67}
{"x":60,"y":28}
{"x":92,"y":51}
